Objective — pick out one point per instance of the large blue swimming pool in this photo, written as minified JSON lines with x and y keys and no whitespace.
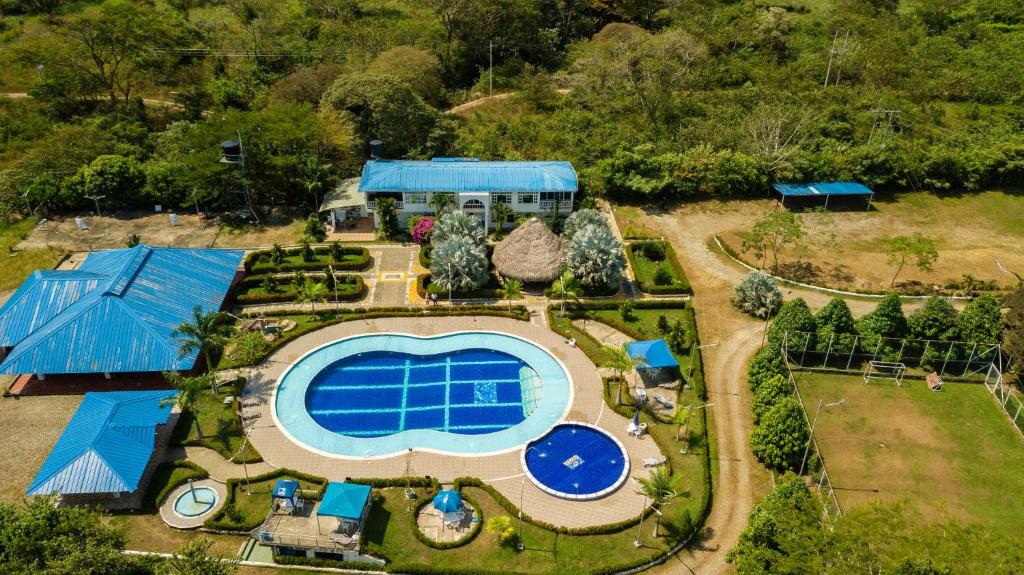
{"x":463,"y":393}
{"x":576,"y":461}
{"x":378,"y":393}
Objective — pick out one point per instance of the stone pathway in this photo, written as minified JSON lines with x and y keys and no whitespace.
{"x":603,"y":332}
{"x":220,"y":469}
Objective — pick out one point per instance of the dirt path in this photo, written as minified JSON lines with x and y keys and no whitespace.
{"x":474,"y":104}
{"x":147,"y":101}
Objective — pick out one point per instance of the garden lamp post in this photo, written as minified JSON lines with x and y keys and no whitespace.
{"x":96,"y":200}
{"x":810,"y":437}
{"x":330,"y":268}
{"x":451,"y":284}
{"x":689,"y":412}
{"x":522,"y":496}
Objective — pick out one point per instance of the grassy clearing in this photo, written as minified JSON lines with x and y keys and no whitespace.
{"x":221,"y":430}
{"x":253,"y":503}
{"x":16,"y":265}
{"x":629,"y":219}
{"x":950,"y":454}
{"x":390,"y":530}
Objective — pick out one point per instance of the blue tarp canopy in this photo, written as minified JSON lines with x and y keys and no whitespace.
{"x":822,"y":189}
{"x":655,"y":354}
{"x":106,"y":446}
{"x":345,"y":500}
{"x":466,"y":175}
{"x":447,"y":501}
{"x":285,"y":488}
{"x":117,"y":313}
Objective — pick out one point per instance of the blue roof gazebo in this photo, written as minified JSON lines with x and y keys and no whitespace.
{"x":823,"y":190}
{"x":346,"y":501}
{"x":655,"y":354}
{"x":106,"y":447}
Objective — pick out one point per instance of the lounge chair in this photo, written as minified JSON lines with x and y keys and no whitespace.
{"x":655,"y":461}
{"x":664,"y":402}
{"x":669,"y":385}
{"x":252,"y":402}
{"x":934,"y":382}
{"x":572,"y":342}
{"x":641,"y":395}
{"x":636,"y":430}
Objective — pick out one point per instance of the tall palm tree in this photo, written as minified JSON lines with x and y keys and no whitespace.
{"x":206,"y":333}
{"x":312,"y":292}
{"x":502,"y":212}
{"x":510,"y":290}
{"x":565,"y":287}
{"x":620,"y":360}
{"x":441,"y":202}
{"x":190,"y":390}
{"x":681,"y":418}
{"x":660,"y":487}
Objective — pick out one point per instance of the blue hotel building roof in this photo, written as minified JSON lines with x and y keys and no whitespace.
{"x":466,"y":175}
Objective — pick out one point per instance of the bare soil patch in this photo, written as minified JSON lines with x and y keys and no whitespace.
{"x":30,"y":427}
{"x":111,"y":231}
{"x":970,"y":233}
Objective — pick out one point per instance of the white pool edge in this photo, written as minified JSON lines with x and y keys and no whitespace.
{"x":587,"y":496}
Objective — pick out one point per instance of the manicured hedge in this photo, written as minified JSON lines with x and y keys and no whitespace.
{"x":194,"y":472}
{"x":354,"y":294}
{"x":221,"y":522}
{"x":488,"y":291}
{"x":424,"y":256}
{"x":647,"y":285}
{"x":328,"y":563}
{"x":380,"y":483}
{"x":473,"y":531}
{"x":361,"y":262}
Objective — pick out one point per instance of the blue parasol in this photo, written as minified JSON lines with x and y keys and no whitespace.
{"x":447,"y":501}
{"x":636,"y":418}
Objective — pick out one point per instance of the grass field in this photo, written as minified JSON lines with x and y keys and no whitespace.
{"x":948,"y":455}
{"x":16,"y":265}
{"x":970,"y":233}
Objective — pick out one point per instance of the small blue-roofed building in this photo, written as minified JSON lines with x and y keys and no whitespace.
{"x":116,"y":314}
{"x":528,"y":187}
{"x":330,"y":528}
{"x":819,"y":193}
{"x":109,"y":449}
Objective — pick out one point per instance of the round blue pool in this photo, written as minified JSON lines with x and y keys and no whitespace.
{"x":576,"y":461}
{"x":463,"y":393}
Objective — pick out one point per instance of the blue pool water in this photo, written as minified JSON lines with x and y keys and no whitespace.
{"x":377,"y":393}
{"x":463,"y":393}
{"x":576,"y":461}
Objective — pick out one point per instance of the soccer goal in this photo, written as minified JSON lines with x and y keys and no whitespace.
{"x":885,"y":370}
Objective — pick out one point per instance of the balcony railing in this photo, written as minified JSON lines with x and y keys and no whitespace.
{"x":371,"y":205}
{"x":564,"y":206}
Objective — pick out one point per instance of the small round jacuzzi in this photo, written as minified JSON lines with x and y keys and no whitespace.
{"x":576,"y":461}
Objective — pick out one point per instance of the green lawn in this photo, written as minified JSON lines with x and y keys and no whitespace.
{"x":949,"y":454}
{"x":252,"y":502}
{"x":16,"y":265}
{"x":220,"y":427}
{"x":390,"y":532}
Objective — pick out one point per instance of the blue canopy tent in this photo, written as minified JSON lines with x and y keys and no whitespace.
{"x":286,"y":495}
{"x":346,"y":501}
{"x":655,"y":357}
{"x":826,"y":190}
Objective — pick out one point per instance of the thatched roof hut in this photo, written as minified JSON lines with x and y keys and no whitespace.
{"x":531,"y":253}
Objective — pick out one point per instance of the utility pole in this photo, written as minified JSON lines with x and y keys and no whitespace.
{"x":831,"y":54}
{"x":842,"y":57}
{"x":890,"y":116}
{"x":490,"y":67}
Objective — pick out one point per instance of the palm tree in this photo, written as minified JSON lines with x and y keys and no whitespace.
{"x":441,"y":202}
{"x":681,"y":418}
{"x":565,"y":287}
{"x":312,"y":292}
{"x":207,"y":333}
{"x":502,"y":212}
{"x":620,"y":360}
{"x":510,"y":290}
{"x":190,"y":390}
{"x":660,"y":487}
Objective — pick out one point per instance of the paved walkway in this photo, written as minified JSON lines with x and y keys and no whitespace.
{"x":220,"y":469}
{"x":603,"y":332}
{"x":503,"y":471}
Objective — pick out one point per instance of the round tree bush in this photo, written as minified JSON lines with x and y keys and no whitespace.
{"x":457,"y":224}
{"x":459,"y":264}
{"x":780,"y":439}
{"x":581,"y":219}
{"x":757,"y":295}
{"x":794,"y":317}
{"x":768,"y":394}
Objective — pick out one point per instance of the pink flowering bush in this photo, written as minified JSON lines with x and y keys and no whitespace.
{"x":422,"y":230}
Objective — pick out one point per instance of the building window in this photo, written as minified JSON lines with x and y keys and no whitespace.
{"x":527,"y":198}
{"x":552,"y":196}
{"x":415,"y":198}
{"x":473,"y":205}
{"x":501,"y":197}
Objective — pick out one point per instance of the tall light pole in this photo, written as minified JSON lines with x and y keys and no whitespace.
{"x":451,"y":283}
{"x":814,"y":422}
{"x":694,"y":347}
{"x":689,"y":412}
{"x":522,"y":496}
{"x":97,"y":199}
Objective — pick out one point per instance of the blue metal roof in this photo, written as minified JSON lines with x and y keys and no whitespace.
{"x":466,"y":175}
{"x":823,"y":189}
{"x":106,"y":446}
{"x":117,"y":313}
{"x":345,"y":500}
{"x":286,"y":488}
{"x":655,"y":354}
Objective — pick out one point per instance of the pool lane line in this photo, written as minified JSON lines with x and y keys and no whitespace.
{"x":356,"y":411}
{"x":447,"y":391}
{"x":405,"y":395}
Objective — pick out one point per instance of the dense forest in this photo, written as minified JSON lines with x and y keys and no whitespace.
{"x":652,"y":100}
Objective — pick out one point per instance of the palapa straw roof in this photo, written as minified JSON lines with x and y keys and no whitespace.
{"x":531,"y":253}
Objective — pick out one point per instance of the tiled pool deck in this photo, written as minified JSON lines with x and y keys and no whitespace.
{"x":503,"y":471}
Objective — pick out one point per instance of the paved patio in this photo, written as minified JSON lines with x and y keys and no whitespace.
{"x":503,"y":471}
